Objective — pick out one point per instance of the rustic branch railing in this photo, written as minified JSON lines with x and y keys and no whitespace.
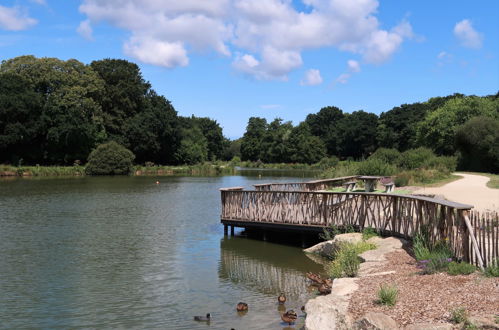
{"x":304,"y":186}
{"x":401,"y":215}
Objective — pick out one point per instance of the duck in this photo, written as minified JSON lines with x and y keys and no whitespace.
{"x":242,"y":307}
{"x":281,"y":299}
{"x":324,"y":289}
{"x":206,"y":318}
{"x":289,"y":317}
{"x":315,"y":278}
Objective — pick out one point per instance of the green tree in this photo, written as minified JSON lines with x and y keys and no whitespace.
{"x":109,"y":159}
{"x":324,"y":124}
{"x":251,"y":144}
{"x":305,"y":147}
{"x":193,"y":147}
{"x":478,"y":142}
{"x":275,"y":147}
{"x":357,"y":134}
{"x":438,"y":130}
{"x":21,"y":125}
{"x":71,"y":117}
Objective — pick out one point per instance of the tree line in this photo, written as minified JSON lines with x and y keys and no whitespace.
{"x":55,"y":112}
{"x":465,"y":126}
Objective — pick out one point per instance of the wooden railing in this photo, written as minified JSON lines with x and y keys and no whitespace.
{"x":401,"y":215}
{"x":305,"y":186}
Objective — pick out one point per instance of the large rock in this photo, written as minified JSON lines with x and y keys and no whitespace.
{"x":376,"y":321}
{"x":327,"y":248}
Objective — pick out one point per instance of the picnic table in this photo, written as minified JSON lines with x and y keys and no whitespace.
{"x":370,"y":182}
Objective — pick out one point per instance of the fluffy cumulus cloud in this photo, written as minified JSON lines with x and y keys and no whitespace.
{"x":85,"y":30}
{"x":312,"y":78}
{"x":352,"y":67}
{"x":263,"y":38}
{"x":15,"y":19}
{"x":467,"y":35}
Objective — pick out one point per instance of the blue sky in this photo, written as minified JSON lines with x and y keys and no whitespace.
{"x":233,"y":59}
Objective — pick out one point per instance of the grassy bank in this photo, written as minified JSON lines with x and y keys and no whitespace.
{"x":198,"y":169}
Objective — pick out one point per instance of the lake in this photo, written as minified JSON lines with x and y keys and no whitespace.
{"x":114,"y":252}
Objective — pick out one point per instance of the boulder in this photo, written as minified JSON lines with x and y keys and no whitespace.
{"x":327,"y":312}
{"x":327,"y":248}
{"x":376,"y":321}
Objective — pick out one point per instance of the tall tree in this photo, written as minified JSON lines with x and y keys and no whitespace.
{"x":71,"y":117}
{"x":251,"y":144}
{"x":275,"y":142}
{"x":304,"y":147}
{"x":357,"y":134}
{"x":324,"y":124}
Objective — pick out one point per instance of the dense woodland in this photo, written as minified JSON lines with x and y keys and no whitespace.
{"x":55,"y":112}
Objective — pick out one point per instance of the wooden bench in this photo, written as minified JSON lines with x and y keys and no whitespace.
{"x":388,"y":183}
{"x":349,"y":186}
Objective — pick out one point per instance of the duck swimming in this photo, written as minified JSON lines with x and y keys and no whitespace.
{"x":242,"y":307}
{"x":206,"y":318}
{"x":289,"y":317}
{"x":281,"y":299}
{"x":324,"y":289}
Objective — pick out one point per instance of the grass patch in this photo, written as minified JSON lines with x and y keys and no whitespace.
{"x":438,"y":181}
{"x":492,"y":270}
{"x":460,"y":268}
{"x":431,"y":257}
{"x":458,"y":315}
{"x":387,"y":295}
{"x":368,"y":232}
{"x":346,"y":260}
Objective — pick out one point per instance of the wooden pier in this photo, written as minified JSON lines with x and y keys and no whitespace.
{"x":301,"y":208}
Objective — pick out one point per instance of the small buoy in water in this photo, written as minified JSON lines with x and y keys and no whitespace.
{"x":157,"y":182}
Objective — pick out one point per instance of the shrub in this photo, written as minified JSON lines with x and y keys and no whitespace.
{"x":415,"y":158}
{"x":327,"y":162}
{"x":110,"y":158}
{"x":346,"y":260}
{"x":402,"y":179}
{"x":368,"y":232}
{"x":460,"y":268}
{"x":375,"y":167}
{"x":492,"y":270}
{"x":389,"y":156}
{"x":432,"y":257}
{"x":459,"y":315}
{"x":387,"y":295}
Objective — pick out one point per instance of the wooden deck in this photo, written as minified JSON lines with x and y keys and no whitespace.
{"x":402,"y":215}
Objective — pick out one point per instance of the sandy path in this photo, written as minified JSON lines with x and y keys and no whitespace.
{"x":471,"y":189}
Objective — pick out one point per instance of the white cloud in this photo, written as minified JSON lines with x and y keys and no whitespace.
{"x":442,"y":54}
{"x":312,"y":78}
{"x":85,"y":30}
{"x":343,"y":78}
{"x":157,"y":52}
{"x":15,"y":19}
{"x":353,"y":66}
{"x":40,"y":2}
{"x":467,"y":35}
{"x":270,"y":33}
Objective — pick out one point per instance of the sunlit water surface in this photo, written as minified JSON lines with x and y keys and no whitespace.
{"x":111,"y":252}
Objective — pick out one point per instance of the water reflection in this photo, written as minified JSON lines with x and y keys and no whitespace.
{"x":265,"y":267}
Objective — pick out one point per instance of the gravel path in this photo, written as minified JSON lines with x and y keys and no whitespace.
{"x":471,"y":189}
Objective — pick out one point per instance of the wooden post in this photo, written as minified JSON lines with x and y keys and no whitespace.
{"x":232,"y":230}
{"x":225,"y":230}
{"x":475,"y":243}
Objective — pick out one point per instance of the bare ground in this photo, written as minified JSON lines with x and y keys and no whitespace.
{"x":425,"y":298}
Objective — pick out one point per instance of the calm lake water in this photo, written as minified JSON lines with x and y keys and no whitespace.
{"x":114,"y":252}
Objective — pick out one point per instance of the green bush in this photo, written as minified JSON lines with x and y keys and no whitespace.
{"x":389,"y":156}
{"x":368,"y":232}
{"x":346,"y":260}
{"x":327,"y":162}
{"x":459,"y":315}
{"x":110,"y":158}
{"x":460,"y":268}
{"x":492,"y":270}
{"x":375,"y":167}
{"x":415,"y":158}
{"x":387,"y":295}
{"x":431,"y":257}
{"x":402,"y":179}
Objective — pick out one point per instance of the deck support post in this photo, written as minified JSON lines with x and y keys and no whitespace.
{"x":225,"y":230}
{"x":232,"y":230}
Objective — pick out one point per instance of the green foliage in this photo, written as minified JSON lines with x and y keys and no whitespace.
{"x":478,"y":142}
{"x":492,"y":270}
{"x":193,"y":147}
{"x":324,"y":124}
{"x":346,"y":261}
{"x":415,"y":158}
{"x":387,"y":295}
{"x":432,"y":257}
{"x":344,"y":168}
{"x":251,"y":144}
{"x":460,"y":268}
{"x":438,"y":129}
{"x":368,"y":232}
{"x":304,"y":147}
{"x":327,"y":162}
{"x":357,"y":134}
{"x":328,"y":233}
{"x":459,"y":315}
{"x":402,"y":179}
{"x":375,"y":167}
{"x":110,"y":158}
{"x":389,"y":156}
